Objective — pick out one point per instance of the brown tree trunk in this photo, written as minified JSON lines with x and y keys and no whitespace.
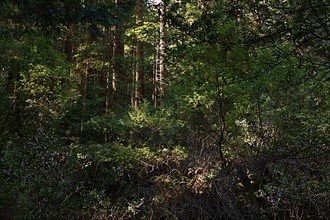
{"x":154,"y":80}
{"x":139,"y":76}
{"x":69,"y":43}
{"x":221,"y":117}
{"x":105,"y":75}
{"x":105,"y":79}
{"x":162,"y":51}
{"x":83,"y":92}
{"x":118,"y":56}
{"x":117,"y":67}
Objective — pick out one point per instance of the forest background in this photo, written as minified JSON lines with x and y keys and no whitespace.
{"x":190,"y":109}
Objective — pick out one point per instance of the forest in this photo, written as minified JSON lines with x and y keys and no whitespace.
{"x":164,"y":109}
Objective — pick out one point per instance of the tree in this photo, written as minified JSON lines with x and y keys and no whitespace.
{"x":139,"y":76}
{"x":93,"y":126}
{"x":162,"y":51}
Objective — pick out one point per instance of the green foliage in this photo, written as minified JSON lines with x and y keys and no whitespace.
{"x":35,"y":176}
{"x":243,"y":131}
{"x":153,"y":128}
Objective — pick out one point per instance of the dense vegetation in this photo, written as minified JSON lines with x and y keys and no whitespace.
{"x":121,"y":109}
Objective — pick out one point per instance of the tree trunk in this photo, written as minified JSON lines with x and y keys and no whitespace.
{"x":105,"y":79}
{"x":139,"y":76}
{"x":69,"y":43}
{"x":221,"y":117}
{"x":83,"y":92}
{"x":162,"y":51}
{"x":154,"y":80}
{"x":105,"y":75}
{"x":118,"y":56}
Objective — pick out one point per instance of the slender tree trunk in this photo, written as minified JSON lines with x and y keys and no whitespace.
{"x":139,"y":76}
{"x":117,"y":67}
{"x":154,"y":80}
{"x":105,"y":80}
{"x":162,"y":51}
{"x":105,"y":75}
{"x":83,"y":91}
{"x":221,"y":116}
{"x":17,"y":119}
{"x":85,"y":72}
{"x":118,"y":56}
{"x":69,"y":43}
{"x":133,"y":52}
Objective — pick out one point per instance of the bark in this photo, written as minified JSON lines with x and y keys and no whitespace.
{"x":162,"y":51}
{"x":139,"y":76}
{"x":118,"y":56}
{"x":222,"y":119}
{"x":69,"y":43}
{"x":105,"y":79}
{"x":117,"y":53}
{"x":83,"y":92}
{"x":154,"y":81}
